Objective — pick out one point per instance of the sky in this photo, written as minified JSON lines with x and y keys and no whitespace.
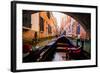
{"x":58,"y":17}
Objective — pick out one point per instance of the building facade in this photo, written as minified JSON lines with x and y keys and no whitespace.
{"x":72,"y":28}
{"x":42,"y":25}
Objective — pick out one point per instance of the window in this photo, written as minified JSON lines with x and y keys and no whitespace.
{"x":27,"y":20}
{"x":49,"y":29}
{"x":41,"y":24}
{"x":48,"y":14}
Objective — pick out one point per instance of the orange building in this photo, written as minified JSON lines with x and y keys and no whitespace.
{"x":38,"y":25}
{"x":47,"y":25}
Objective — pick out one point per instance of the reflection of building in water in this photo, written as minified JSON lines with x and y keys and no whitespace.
{"x":38,"y":25}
